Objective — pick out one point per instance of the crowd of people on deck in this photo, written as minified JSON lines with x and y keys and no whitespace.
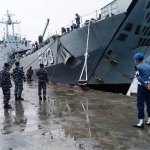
{"x":78,"y":22}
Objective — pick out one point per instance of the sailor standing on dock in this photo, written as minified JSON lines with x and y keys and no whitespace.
{"x":18,"y":77}
{"x":143,"y":94}
{"x":5,"y":83}
{"x":42,"y":80}
{"x":29,"y":74}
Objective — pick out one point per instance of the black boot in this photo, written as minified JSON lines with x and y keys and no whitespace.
{"x":16,"y":98}
{"x":7,"y":106}
{"x":20,"y":98}
{"x":44,"y":98}
{"x":40,"y":98}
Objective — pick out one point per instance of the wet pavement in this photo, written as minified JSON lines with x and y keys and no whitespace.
{"x":71,"y":119}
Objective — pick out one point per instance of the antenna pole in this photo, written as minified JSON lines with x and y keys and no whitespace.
{"x":7,"y":33}
{"x":13,"y":29}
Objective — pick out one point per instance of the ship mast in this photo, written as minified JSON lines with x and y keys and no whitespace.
{"x":9,"y":22}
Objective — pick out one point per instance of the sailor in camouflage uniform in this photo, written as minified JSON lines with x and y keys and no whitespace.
{"x":42,"y":79}
{"x":18,"y":77}
{"x":5,"y":83}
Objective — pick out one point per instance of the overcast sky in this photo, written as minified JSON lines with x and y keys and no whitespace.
{"x":33,"y":14}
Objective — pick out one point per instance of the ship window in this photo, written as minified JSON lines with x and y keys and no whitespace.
{"x":137,"y":29}
{"x":146,"y":31}
{"x":147,"y":42}
{"x":147,"y":15}
{"x":148,"y":5}
{"x":9,"y":42}
{"x":140,"y":41}
{"x":148,"y":21}
{"x":144,"y":42}
{"x":128,"y":27}
{"x":122,"y":37}
{"x":144,"y":28}
{"x":109,"y":52}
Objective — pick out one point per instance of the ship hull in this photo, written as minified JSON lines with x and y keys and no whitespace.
{"x":112,"y":45}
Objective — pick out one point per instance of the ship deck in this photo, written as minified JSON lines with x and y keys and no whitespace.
{"x":61,"y":123}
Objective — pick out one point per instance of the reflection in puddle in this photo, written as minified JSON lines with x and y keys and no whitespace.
{"x":32,"y":122}
{"x":14,"y":120}
{"x":87,"y":116}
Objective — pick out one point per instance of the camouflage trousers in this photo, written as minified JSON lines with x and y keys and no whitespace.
{"x":6,"y":93}
{"x":40,"y":87}
{"x":29,"y":77}
{"x":18,"y":88}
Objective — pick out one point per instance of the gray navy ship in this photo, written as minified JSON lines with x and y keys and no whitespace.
{"x":103,"y":48}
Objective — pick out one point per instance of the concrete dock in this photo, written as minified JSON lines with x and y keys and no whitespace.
{"x":71,"y":119}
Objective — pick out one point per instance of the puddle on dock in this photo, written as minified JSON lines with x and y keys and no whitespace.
{"x":71,"y":119}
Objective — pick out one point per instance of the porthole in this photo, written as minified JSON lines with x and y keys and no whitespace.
{"x":137,"y":29}
{"x":144,"y":28}
{"x":128,"y":27}
{"x":146,"y":31}
{"x":140,"y":40}
{"x":109,"y":52}
{"x":147,"y":16}
{"x":148,"y":5}
{"x":144,"y":41}
{"x":147,"y":42}
{"x":122,"y":37}
{"x":148,"y":21}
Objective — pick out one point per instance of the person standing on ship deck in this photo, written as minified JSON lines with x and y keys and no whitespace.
{"x":143,"y":94}
{"x":77,"y":21}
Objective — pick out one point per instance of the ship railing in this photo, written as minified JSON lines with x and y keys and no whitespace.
{"x":108,"y":11}
{"x":94,"y":15}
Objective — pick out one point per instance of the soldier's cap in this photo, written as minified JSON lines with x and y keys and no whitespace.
{"x":6,"y":65}
{"x":138,"y":56}
{"x":17,"y":63}
{"x":41,"y":65}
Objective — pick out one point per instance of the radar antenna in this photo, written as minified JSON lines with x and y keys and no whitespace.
{"x":9,"y":22}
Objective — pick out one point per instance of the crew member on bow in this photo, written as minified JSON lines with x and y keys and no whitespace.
{"x":42,"y":80}
{"x":77,"y":20}
{"x":18,"y":77}
{"x":143,"y":94}
{"x":5,"y":83}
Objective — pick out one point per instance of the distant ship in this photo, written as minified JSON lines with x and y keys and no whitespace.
{"x":107,"y":56}
{"x":12,"y":45}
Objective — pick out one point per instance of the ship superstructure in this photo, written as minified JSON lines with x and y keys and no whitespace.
{"x":12,"y":46}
